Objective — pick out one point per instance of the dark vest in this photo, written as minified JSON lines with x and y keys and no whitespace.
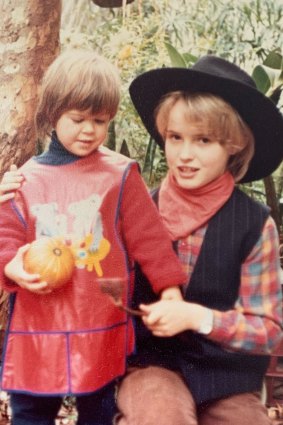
{"x":210,"y":371}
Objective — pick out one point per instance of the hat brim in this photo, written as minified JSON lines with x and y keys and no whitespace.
{"x":260,"y":113}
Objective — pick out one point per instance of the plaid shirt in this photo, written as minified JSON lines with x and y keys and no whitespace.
{"x":255,"y":323}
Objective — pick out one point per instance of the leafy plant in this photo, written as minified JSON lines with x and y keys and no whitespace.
{"x":149,"y":34}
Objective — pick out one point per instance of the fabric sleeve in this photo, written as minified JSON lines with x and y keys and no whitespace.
{"x":12,"y":237}
{"x":255,"y":324}
{"x":145,"y":236}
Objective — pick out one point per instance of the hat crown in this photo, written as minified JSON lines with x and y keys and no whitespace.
{"x":218,"y":67}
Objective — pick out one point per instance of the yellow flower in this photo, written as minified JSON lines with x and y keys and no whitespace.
{"x":125,"y":52}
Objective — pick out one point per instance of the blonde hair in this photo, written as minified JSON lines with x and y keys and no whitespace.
{"x":77,"y":79}
{"x":220,"y":120}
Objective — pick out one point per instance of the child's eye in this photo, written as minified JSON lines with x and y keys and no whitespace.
{"x":99,"y":121}
{"x":204,"y":140}
{"x":173,"y":137}
{"x":77,"y":120}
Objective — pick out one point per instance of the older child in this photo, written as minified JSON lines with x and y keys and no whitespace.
{"x":74,"y":340}
{"x":217,"y":130}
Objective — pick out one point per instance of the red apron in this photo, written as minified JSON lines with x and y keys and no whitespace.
{"x":73,"y":340}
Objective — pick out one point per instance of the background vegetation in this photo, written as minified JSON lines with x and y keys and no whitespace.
{"x":142,"y":35}
{"x":147,"y":34}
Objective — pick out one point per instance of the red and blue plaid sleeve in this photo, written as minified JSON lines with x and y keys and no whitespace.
{"x":255,"y":323}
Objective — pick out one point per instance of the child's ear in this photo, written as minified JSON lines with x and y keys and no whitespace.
{"x":234,"y":149}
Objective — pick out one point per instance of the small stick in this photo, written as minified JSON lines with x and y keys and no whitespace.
{"x":114,"y":288}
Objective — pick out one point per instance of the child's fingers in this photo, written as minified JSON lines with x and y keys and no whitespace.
{"x":21,"y":252}
{"x":152,"y":319}
{"x":12,"y":176}
{"x":13,"y":167}
{"x":7,"y":186}
{"x":159,"y":333}
{"x":153,"y":313}
{"x":145,"y":308}
{"x":11,"y":181}
{"x":30,"y":278}
{"x":41,"y":288}
{"x":27,"y":280}
{"x":158,"y":330}
{"x":6,"y":196}
{"x":36,"y":288}
{"x":14,"y":172}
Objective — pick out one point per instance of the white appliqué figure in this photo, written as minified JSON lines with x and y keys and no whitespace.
{"x":88,"y":219}
{"x":85,"y":230}
{"x":45,"y":219}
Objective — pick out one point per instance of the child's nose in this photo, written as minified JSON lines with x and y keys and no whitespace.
{"x":89,"y":126}
{"x":187,"y":150}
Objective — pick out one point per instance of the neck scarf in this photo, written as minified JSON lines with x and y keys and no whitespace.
{"x":185,"y":210}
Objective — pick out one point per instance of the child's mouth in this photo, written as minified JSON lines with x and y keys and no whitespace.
{"x":187,"y":171}
{"x":85,"y":144}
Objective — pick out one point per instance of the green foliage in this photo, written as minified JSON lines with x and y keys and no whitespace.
{"x":177,"y":59}
{"x":155,"y":33}
{"x":269,"y":75}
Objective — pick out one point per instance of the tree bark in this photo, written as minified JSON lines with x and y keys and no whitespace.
{"x":29,"y":41}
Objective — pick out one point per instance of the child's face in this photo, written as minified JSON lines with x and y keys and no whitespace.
{"x":80,"y":132}
{"x":194,"y":157}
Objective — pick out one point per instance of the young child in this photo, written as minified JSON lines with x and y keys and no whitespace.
{"x":206,"y":360}
{"x":75,"y":340}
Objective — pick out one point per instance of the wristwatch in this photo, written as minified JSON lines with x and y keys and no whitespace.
{"x":207,"y":323}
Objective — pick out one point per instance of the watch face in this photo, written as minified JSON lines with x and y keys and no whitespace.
{"x":205,"y":329}
{"x":207,"y":325}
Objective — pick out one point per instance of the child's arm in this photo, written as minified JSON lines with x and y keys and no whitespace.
{"x":145,"y":236}
{"x":11,"y":181}
{"x":255,"y":323}
{"x":12,"y":248}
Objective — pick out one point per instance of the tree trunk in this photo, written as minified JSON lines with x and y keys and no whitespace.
{"x":29,"y":41}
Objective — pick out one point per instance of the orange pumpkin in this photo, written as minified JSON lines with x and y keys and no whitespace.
{"x":52,"y":259}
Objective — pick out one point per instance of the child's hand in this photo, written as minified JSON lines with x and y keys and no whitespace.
{"x":11,"y":181}
{"x":167,"y":318}
{"x":14,"y":270}
{"x":172,"y":293}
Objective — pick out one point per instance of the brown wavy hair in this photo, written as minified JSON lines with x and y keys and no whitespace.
{"x":220,"y":120}
{"x":77,"y":79}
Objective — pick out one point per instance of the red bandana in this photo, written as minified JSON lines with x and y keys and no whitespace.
{"x":185,"y":210}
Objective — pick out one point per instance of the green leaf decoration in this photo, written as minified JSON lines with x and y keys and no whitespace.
{"x":177,"y":59}
{"x":274,"y":60}
{"x":269,"y":81}
{"x":189,"y":58}
{"x":261,"y":79}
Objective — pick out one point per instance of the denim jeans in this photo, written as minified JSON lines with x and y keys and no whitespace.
{"x":98,"y":408}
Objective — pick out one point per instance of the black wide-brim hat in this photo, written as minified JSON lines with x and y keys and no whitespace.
{"x":215,"y":75}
